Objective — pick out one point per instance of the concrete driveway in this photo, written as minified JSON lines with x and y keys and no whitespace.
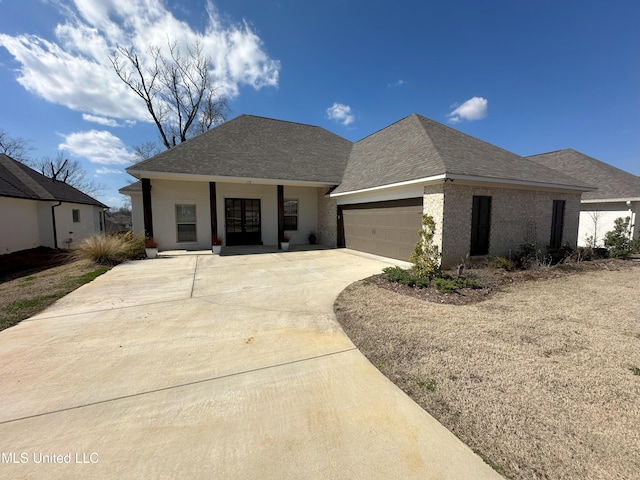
{"x":199,"y":366}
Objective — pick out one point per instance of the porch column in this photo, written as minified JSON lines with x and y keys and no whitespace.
{"x":214,"y":210}
{"x":280,"y":214}
{"x":146,"y":207}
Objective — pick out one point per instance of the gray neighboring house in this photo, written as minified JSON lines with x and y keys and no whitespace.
{"x":38,"y":211}
{"x":617,"y":194}
{"x":254,"y":180}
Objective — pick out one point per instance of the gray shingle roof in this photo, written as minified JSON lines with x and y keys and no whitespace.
{"x":612,"y":182}
{"x":19,"y":181}
{"x":417,"y":147}
{"x":257,"y":147}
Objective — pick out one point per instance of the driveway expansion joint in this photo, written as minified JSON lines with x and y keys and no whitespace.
{"x":173,"y":387}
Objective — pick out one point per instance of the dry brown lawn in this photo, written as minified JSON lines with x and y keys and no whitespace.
{"x":542,"y":379}
{"x":28,"y":293}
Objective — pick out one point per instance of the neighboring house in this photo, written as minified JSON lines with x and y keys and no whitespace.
{"x":254,"y":180}
{"x":617,"y":194}
{"x":38,"y":211}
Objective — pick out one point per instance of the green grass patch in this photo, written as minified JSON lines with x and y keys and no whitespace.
{"x":90,"y":276}
{"x":20,"y":310}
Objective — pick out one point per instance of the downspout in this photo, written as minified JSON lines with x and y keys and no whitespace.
{"x":53,"y":221}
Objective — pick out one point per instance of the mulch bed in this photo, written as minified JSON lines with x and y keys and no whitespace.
{"x":495,"y":279}
{"x":27,"y":262}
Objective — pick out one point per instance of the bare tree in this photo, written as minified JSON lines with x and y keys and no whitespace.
{"x":15,"y":147}
{"x":179,"y":91}
{"x":595,"y":215}
{"x":145,"y":150}
{"x":67,"y":171}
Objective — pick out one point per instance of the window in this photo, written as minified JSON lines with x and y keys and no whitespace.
{"x":291,"y":215}
{"x":75,"y":213}
{"x":186,"y":223}
{"x":557,"y":223}
{"x":480,"y":225}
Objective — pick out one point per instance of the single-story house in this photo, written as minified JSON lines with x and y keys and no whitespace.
{"x":617,"y":194}
{"x":254,"y":180}
{"x":38,"y":211}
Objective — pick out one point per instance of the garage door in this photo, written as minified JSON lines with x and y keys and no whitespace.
{"x":388,"y":228}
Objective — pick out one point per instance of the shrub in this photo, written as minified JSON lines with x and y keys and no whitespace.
{"x":448,"y":285}
{"x":425,"y":256}
{"x":111,"y":249}
{"x":504,"y":263}
{"x":405,"y":277}
{"x":618,"y":240}
{"x":560,"y":254}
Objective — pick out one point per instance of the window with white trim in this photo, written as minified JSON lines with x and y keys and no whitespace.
{"x":186,"y":223}
{"x":291,"y":215}
{"x":75,"y":214}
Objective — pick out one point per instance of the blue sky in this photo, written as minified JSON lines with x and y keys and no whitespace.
{"x":530,"y":76}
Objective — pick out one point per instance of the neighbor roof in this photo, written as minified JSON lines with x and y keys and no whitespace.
{"x":257,"y":147}
{"x":19,"y":181}
{"x":417,"y":147}
{"x":612,"y":182}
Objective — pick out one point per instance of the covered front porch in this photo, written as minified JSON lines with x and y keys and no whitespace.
{"x":190,"y":215}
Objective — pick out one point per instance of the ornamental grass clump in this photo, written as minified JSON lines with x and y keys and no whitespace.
{"x":111,"y":249}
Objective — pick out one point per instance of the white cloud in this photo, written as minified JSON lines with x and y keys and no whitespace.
{"x":107,"y":122}
{"x":473,"y":109}
{"x":340,"y":113}
{"x":105,"y":171}
{"x":98,"y":146}
{"x":399,"y":83}
{"x":74,"y":69}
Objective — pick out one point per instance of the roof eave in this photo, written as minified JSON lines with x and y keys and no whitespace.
{"x":228,"y":179}
{"x":471,"y":178}
{"x":611,"y":200}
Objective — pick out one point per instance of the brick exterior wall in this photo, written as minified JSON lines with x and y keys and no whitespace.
{"x":433,"y":204}
{"x":517,"y":216}
{"x":327,"y":219}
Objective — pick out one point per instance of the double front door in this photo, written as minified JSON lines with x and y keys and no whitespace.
{"x":242,"y":219}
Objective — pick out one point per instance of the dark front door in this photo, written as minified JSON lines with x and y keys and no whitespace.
{"x":480,"y":225}
{"x":242,"y":218}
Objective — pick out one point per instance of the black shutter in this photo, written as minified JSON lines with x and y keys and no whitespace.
{"x":557,"y":224}
{"x":480,"y":225}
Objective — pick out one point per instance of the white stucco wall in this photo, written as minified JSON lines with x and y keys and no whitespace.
{"x":596,"y":219}
{"x":137,"y":214}
{"x":66,"y":228}
{"x":166,"y":194}
{"x":29,"y":224}
{"x":19,"y":221}
{"x":307,"y":213}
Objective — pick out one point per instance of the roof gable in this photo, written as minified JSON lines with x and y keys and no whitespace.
{"x":612,"y":182}
{"x":417,"y":147}
{"x":257,"y":147}
{"x":20,"y":181}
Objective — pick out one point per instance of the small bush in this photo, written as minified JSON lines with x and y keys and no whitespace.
{"x":449,"y":285}
{"x":618,"y":240}
{"x":405,"y":277}
{"x":504,"y":263}
{"x":111,"y":249}
{"x":560,"y":254}
{"x":426,"y":255}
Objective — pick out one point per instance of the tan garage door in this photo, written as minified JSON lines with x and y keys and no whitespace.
{"x":388,"y":228}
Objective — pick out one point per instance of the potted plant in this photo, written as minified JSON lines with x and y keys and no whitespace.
{"x":312,"y":238}
{"x":151,"y":247}
{"x":284,"y":243}
{"x":216,"y":244}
